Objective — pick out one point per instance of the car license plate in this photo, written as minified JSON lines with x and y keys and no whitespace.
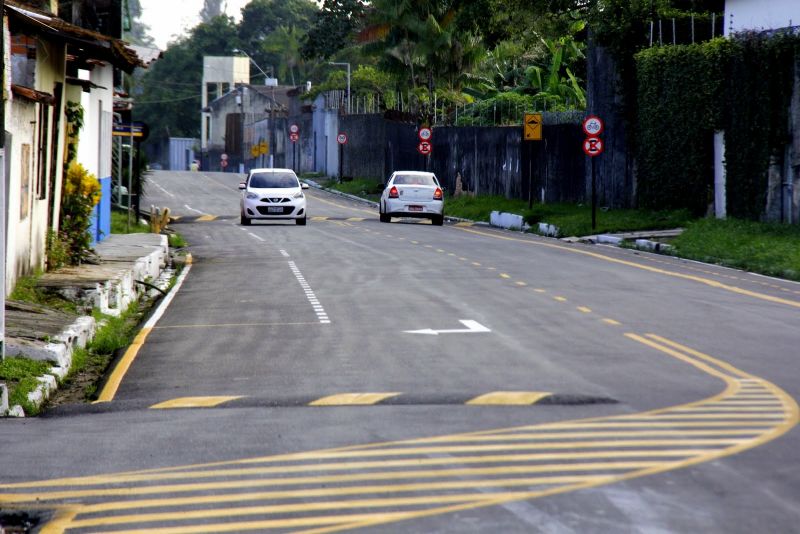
{"x":415,"y":208}
{"x":274,"y":209}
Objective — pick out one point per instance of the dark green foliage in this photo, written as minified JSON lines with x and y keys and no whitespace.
{"x":170,"y":100}
{"x":333,"y":28}
{"x":679,"y":105}
{"x":756,"y":122}
{"x":685,"y":93}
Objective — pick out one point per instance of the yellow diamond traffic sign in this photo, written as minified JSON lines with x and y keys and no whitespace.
{"x":533,"y":127}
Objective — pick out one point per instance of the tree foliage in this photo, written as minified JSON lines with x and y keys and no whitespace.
{"x":171,"y":89}
{"x":333,"y":28}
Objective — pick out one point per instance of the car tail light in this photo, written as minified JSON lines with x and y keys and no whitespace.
{"x":393,"y":193}
{"x":437,"y":195}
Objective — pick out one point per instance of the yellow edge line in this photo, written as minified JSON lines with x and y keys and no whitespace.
{"x":114,"y":381}
{"x":699,"y":279}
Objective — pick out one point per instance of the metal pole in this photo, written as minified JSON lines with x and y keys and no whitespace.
{"x":341,"y":161}
{"x":130,"y":176}
{"x":594,"y":196}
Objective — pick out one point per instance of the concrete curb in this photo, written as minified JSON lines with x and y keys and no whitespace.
{"x":112,"y":298}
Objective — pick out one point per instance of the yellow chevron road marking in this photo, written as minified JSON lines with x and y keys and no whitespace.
{"x":193,"y":402}
{"x":206,"y":218}
{"x":354,"y":399}
{"x":509,"y":397}
{"x":377,"y":484}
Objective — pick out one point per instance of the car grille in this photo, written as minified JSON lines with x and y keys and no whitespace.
{"x":284,"y":210}
{"x":275,"y":200}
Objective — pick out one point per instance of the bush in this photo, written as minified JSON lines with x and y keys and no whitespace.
{"x":81,"y":194}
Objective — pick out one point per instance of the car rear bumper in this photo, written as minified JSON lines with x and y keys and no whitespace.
{"x":411,"y":208}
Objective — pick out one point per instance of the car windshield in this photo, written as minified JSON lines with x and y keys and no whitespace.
{"x":273,"y":180}
{"x":414,"y":179}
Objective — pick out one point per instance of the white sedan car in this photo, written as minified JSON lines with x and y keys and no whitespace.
{"x":412,"y":194}
{"x":272,"y":194}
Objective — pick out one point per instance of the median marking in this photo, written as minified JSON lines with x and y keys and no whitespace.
{"x":193,"y":402}
{"x":352,"y":399}
{"x":517,"y":398}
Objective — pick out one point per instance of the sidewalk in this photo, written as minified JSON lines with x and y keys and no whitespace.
{"x":130,"y":265}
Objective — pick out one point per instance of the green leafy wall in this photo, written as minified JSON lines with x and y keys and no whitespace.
{"x":685,"y":93}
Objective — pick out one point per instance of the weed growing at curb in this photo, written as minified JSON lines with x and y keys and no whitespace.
{"x":20,"y":375}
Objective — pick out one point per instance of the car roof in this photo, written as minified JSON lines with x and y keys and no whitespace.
{"x":270,"y":170}
{"x":420,"y":173}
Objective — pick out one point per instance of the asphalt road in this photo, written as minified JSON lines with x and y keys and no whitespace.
{"x":402,"y":377}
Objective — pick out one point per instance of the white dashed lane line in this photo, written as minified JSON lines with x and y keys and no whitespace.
{"x":312,"y":298}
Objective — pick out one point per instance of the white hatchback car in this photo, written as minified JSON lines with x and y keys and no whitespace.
{"x":272,"y":194}
{"x":412,"y":194}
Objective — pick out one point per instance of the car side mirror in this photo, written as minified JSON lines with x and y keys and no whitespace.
{"x":303,"y":185}
{"x":242,"y":186}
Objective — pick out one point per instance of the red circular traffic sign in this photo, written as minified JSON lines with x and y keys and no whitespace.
{"x":341,"y":138}
{"x":592,"y":126}
{"x":593,"y":146}
{"x":294,"y":128}
{"x":424,"y":148}
{"x":294,"y":136}
{"x":425,"y":133}
{"x":223,"y":163}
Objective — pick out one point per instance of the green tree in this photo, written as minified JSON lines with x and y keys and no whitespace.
{"x":260,"y":18}
{"x":334,"y":27}
{"x":171,"y":88}
{"x":211,"y":9}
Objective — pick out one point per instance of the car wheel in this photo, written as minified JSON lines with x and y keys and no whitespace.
{"x":437,"y":220}
{"x":245,"y":220}
{"x":385,"y":218}
{"x":300,"y":222}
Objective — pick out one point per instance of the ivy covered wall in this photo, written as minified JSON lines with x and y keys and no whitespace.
{"x":684,"y":93}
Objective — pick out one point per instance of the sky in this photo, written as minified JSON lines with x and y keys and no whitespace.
{"x":168,"y":19}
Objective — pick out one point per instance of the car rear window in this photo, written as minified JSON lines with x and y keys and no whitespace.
{"x":273,"y":180}
{"x":414,"y":179}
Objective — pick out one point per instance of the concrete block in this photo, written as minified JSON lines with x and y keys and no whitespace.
{"x":609,"y":239}
{"x":16,"y":411}
{"x":58,"y":353}
{"x":548,"y":229}
{"x":3,"y":399}
{"x":509,"y":221}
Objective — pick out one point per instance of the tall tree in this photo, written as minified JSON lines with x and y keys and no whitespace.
{"x":334,"y":28}
{"x":140,"y":32}
{"x":170,"y":99}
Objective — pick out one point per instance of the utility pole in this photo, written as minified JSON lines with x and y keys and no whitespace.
{"x":3,"y":212}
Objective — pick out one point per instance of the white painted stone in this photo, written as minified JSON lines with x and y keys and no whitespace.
{"x":548,"y":229}
{"x":609,"y":239}
{"x":16,"y":411}
{"x":510,"y":221}
{"x":3,"y":399}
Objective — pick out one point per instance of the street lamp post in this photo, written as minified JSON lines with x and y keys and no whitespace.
{"x":348,"y":81}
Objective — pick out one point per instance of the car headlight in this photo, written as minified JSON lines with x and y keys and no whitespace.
{"x":251,"y":196}
{"x":299,"y":194}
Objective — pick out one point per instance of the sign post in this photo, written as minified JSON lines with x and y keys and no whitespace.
{"x":342,"y":140}
{"x":532,"y":131}
{"x":294,"y":135}
{"x":593,"y":146}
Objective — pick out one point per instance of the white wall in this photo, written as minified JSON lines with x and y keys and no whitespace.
{"x":94,"y":150}
{"x":760,"y":14}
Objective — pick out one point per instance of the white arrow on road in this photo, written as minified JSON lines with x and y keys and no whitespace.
{"x":473,"y":327}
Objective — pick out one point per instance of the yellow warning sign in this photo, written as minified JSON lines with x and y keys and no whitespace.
{"x":533,"y":127}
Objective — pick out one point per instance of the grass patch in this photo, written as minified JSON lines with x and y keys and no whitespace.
{"x":119,"y":223}
{"x":369,"y":188}
{"x":26,"y":290}
{"x":177,"y":241}
{"x":771,"y":249}
{"x":20,"y":375}
{"x":480,"y":207}
{"x":576,"y":219}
